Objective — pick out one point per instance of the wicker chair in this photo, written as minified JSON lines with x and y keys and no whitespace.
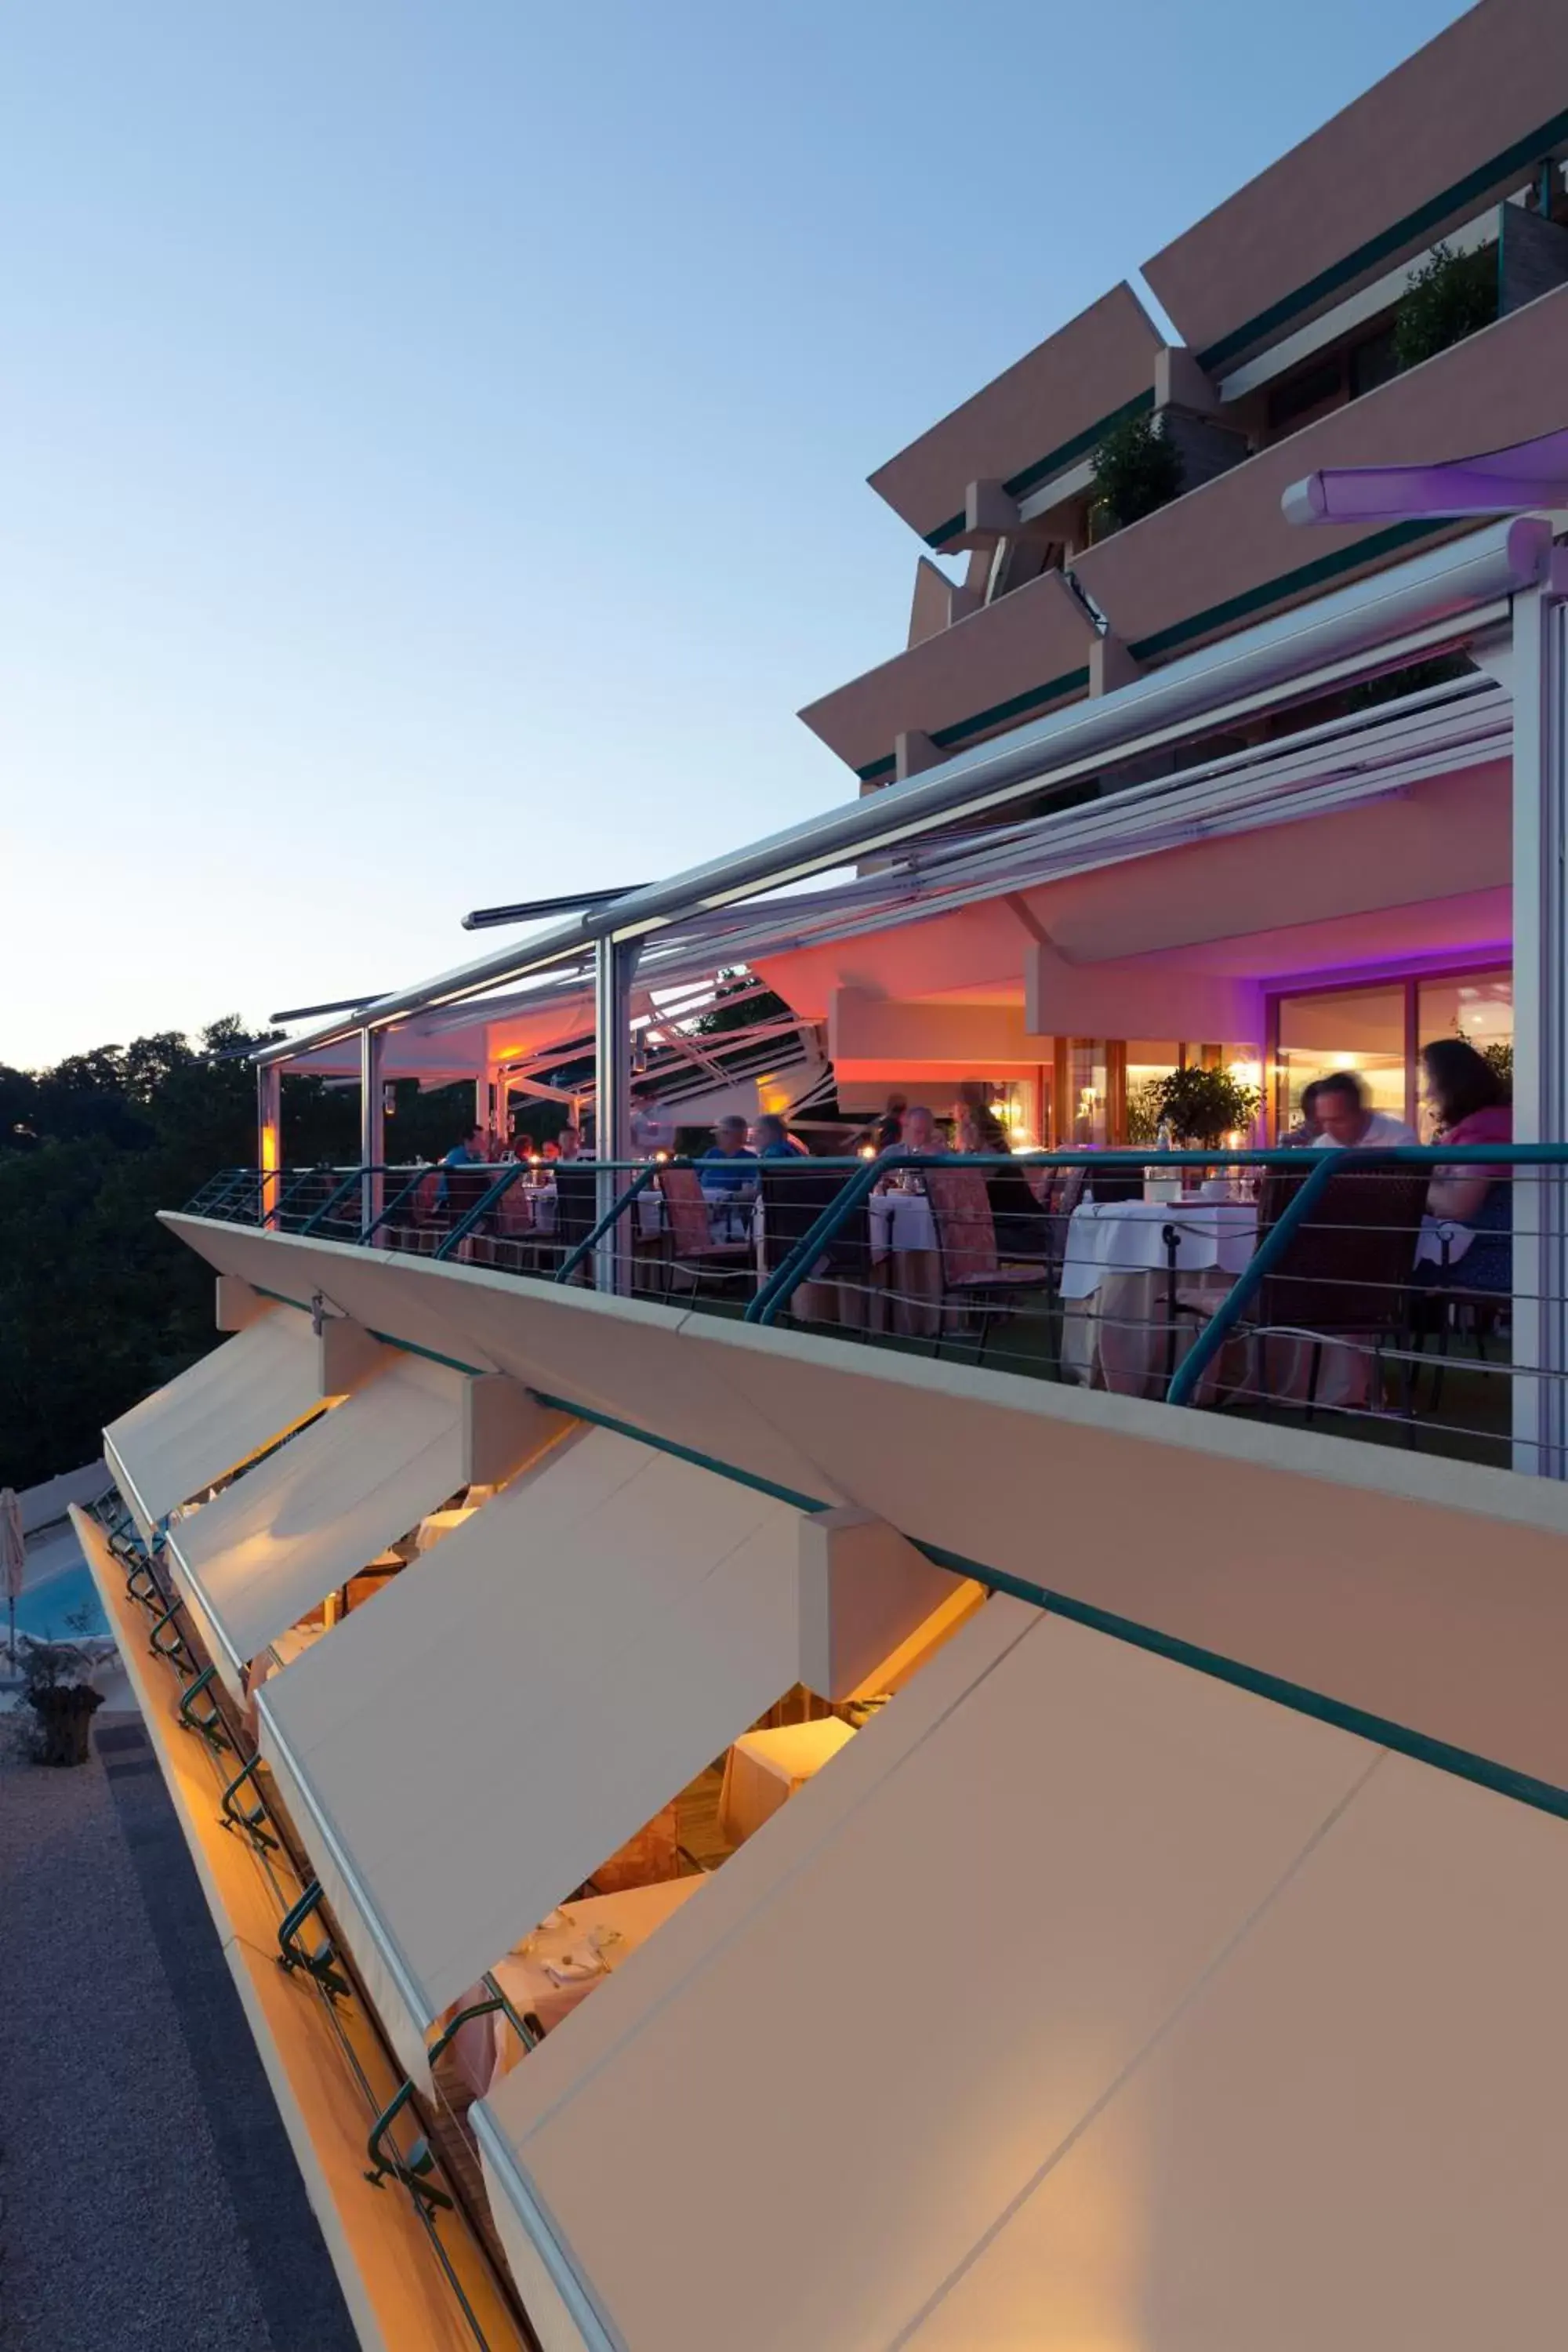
{"x":795,"y":1194}
{"x":1345,"y":1274}
{"x":692,"y":1248}
{"x":974,"y":1272}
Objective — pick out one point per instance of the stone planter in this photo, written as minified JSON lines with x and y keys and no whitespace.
{"x":65,"y":1719}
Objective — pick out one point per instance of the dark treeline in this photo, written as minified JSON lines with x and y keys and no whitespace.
{"x":98,"y":1303}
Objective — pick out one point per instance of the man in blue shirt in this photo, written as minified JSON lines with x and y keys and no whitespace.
{"x":468,"y":1153}
{"x":730,"y":1168}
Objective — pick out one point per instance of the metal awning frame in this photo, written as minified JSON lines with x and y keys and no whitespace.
{"x":1396,"y":616}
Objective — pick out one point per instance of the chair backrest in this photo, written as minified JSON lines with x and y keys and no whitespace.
{"x":1115,"y":1183}
{"x":514,"y":1210}
{"x":577,"y":1204}
{"x":1023,"y":1224}
{"x":795,"y":1192}
{"x":1349,"y":1268}
{"x":691,"y":1227}
{"x":965,"y":1229}
{"x":466,"y":1185}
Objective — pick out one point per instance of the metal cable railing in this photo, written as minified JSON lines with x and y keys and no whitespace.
{"x":204,"y":1709}
{"x":1394,"y":1294}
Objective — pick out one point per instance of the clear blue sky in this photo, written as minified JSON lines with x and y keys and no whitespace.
{"x":435,"y":435}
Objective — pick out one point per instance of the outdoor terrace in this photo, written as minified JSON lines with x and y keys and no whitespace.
{"x":1304,"y":1289}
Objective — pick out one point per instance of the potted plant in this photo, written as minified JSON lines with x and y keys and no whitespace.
{"x":1137,"y":470}
{"x":1201,"y":1108}
{"x":1451,"y":296}
{"x":58,"y":1685}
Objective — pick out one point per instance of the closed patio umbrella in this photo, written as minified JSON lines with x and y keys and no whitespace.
{"x":13,"y":1558}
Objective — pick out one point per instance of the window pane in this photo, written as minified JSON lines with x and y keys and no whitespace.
{"x":1477,"y":1006}
{"x":1088,"y":1085}
{"x":1358,"y":1029}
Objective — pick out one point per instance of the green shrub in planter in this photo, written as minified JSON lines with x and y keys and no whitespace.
{"x":1451,"y":296}
{"x":58,"y":1685}
{"x":1136,"y":471}
{"x":1203,"y":1107}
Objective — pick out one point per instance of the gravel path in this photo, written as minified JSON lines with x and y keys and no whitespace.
{"x":148,"y":2194}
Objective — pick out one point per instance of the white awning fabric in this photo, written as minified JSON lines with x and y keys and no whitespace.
{"x":1085,"y":2000}
{"x":463,"y":1753}
{"x":272,"y":1546}
{"x":243,"y":1396}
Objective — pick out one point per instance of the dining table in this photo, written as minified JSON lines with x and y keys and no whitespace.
{"x":763,"y":1770}
{"x":553,"y":1970}
{"x":1121,"y":1266}
{"x":906,"y":1262}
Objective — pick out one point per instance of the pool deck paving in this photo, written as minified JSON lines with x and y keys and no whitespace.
{"x":148,"y":2194}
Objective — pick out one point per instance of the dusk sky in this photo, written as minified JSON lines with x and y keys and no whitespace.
{"x":436,"y":434}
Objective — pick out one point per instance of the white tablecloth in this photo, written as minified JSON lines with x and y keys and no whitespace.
{"x":1436,"y":1231}
{"x":1129,"y":1237}
{"x":602,"y":1926}
{"x":763,"y":1769}
{"x":900,"y":1221}
{"x":649,"y":1211}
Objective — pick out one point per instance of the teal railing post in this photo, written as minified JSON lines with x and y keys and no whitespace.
{"x":465,"y":1225}
{"x":250,"y":1817}
{"x":291,"y":1954}
{"x":413,"y":2168}
{"x":210,"y":1725}
{"x":331,"y":1202}
{"x":584,"y":1249}
{"x":782,"y":1284}
{"x":1244,"y":1289}
{"x":390,"y":1208}
{"x":158,"y":1648}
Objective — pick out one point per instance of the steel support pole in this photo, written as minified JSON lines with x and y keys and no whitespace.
{"x":372,"y":1125}
{"x":1540,"y":1019}
{"x":270,"y":1137}
{"x":614,"y":963}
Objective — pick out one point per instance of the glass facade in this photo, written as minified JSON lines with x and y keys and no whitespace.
{"x":1376,"y":1028}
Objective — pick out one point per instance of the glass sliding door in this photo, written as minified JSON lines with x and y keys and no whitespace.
{"x":1358,"y":1029}
{"x":1474,"y":1005}
{"x":1376,"y":1028}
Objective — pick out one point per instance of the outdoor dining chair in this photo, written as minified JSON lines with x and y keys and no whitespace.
{"x":1344,"y":1278}
{"x":975,"y":1274}
{"x":693,"y":1252}
{"x":795,"y":1194}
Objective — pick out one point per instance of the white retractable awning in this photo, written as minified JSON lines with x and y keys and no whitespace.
{"x":1087,"y":1999}
{"x":273,"y":1545}
{"x":243,"y":1396}
{"x":461,"y":1755}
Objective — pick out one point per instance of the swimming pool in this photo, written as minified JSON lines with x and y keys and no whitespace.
{"x":45,"y":1607}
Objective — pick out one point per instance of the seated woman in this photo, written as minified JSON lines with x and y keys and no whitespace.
{"x":975,"y":1124}
{"x":1472,"y":1104}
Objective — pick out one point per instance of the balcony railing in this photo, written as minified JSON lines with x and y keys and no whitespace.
{"x":1331,"y":1288}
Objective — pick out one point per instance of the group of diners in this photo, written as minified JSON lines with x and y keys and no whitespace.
{"x":1470,"y":1102}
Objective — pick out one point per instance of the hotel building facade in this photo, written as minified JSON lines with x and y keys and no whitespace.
{"x":733,"y":1839}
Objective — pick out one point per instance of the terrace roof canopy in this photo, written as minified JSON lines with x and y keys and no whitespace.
{"x":534,"y":994}
{"x":532,"y":1002}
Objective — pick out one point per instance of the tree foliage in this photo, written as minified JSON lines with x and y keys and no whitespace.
{"x":98,"y":1303}
{"x":1451,"y":296}
{"x":1136,"y":471}
{"x":1203,"y":1107}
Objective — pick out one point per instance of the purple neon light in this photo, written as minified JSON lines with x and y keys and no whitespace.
{"x":1518,"y":481}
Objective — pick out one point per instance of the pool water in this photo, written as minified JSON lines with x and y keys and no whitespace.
{"x":45,"y":1607}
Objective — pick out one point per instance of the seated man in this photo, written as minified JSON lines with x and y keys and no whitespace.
{"x":468,"y":1153}
{"x":775,"y":1140}
{"x":1345,"y":1118}
{"x":730,"y":1168}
